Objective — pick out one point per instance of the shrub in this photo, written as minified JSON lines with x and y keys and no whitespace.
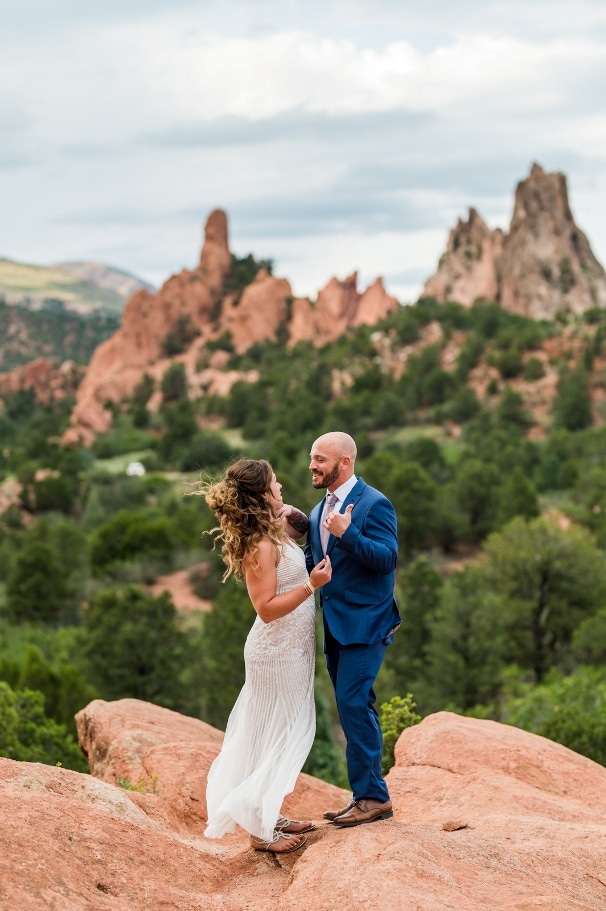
{"x":180,"y":337}
{"x":174,"y":383}
{"x":509,"y":363}
{"x":533,"y":370}
{"x":396,"y":716}
{"x":28,"y":735}
{"x":128,"y":534}
{"x":569,"y":710}
{"x":205,"y":450}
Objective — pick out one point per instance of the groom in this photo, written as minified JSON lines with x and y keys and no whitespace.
{"x":356,"y":526}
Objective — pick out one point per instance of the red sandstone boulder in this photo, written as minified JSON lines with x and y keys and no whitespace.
{"x":486,"y":818}
{"x":167,"y":756}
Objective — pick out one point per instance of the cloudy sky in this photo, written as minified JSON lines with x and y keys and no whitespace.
{"x":338,"y":136}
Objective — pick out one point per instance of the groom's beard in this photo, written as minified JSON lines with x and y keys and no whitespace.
{"x":327,"y":479}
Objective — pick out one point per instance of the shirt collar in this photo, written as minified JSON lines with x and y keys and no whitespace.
{"x":342,"y":492}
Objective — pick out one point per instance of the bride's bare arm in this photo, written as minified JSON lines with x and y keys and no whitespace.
{"x":262,"y":581}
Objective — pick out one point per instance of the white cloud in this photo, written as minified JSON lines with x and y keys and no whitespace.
{"x":347,"y":130}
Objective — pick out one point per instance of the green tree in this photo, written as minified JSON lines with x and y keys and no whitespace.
{"x":128,"y":534}
{"x":65,"y":690}
{"x":428,"y":454}
{"x":475,"y":491}
{"x":174,"y":383}
{"x":413,"y":494}
{"x":206,"y":450}
{"x":224,"y":633}
{"x":517,"y":496}
{"x":134,"y":647}
{"x":53,"y":493}
{"x":509,"y":363}
{"x":324,"y":760}
{"x":464,"y":406}
{"x":221,"y":677}
{"x":569,"y":710}
{"x":572,"y":404}
{"x":590,"y":492}
{"x":28,"y":735}
{"x":419,"y":587}
{"x":511,"y":414}
{"x":464,"y":653}
{"x":38,"y":588}
{"x":589,"y":640}
{"x":138,"y":404}
{"x":180,"y":429}
{"x":548,"y":580}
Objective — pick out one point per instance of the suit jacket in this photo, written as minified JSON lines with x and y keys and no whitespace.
{"x":358,"y":603}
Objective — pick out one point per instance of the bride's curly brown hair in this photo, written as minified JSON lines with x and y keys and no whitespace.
{"x":243,"y":513}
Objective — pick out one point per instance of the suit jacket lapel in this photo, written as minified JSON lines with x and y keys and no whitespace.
{"x":354,"y":495}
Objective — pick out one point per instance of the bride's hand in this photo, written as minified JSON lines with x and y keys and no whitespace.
{"x":321,"y":573}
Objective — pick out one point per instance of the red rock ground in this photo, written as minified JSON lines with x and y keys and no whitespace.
{"x":487,"y":818}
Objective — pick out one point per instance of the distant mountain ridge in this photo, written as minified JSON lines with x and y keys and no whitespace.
{"x":80,"y":287}
{"x":97,"y":273}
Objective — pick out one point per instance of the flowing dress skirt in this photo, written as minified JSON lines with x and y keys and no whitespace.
{"x":271,"y":728}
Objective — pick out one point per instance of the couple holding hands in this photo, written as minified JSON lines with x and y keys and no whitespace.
{"x":350,"y":556}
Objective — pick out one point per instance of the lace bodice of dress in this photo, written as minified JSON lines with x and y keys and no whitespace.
{"x":296,"y":629}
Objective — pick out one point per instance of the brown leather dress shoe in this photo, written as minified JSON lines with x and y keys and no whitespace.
{"x":332,"y":814}
{"x":364,"y":811}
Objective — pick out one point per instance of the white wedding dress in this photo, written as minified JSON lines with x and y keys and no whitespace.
{"x":271,"y":727}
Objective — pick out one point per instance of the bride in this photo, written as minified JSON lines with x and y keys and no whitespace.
{"x":271,"y":728}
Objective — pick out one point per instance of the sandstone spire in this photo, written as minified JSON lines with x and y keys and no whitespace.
{"x":467,"y":270}
{"x":547,"y":263}
{"x":542,"y":265}
{"x":215,"y":258}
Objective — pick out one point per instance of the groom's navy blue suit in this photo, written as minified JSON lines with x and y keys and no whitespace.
{"x":360,"y":615}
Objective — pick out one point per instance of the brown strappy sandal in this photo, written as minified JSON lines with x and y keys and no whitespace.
{"x":293,"y":826}
{"x":259,"y":845}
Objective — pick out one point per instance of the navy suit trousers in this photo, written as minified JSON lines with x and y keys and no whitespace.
{"x":353,"y":670}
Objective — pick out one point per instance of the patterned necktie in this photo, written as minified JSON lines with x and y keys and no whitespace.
{"x":329,"y":505}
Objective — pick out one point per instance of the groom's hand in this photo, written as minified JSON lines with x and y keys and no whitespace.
{"x":338,"y":522}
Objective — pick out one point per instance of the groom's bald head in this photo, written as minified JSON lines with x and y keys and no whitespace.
{"x":332,"y":459}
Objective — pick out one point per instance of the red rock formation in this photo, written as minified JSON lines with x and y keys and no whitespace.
{"x":215,"y":258}
{"x":486,"y":817}
{"x":374,"y":305}
{"x":542,"y":265}
{"x":259,"y":313}
{"x":547,"y":263}
{"x":339,"y":306}
{"x":467,"y":270}
{"x":198,"y":300}
{"x":119,"y":363}
{"x":48,"y":382}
